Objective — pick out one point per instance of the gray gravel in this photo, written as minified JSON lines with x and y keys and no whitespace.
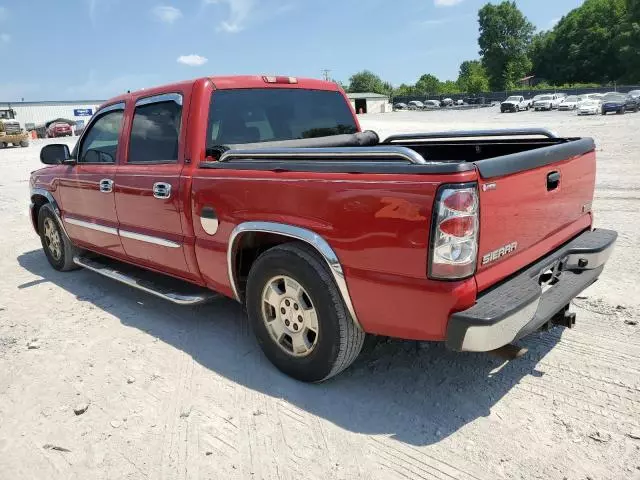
{"x":206,"y":404}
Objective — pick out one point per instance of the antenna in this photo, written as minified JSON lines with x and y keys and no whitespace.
{"x":325,"y":74}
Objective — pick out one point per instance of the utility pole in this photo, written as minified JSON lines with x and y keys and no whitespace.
{"x":325,"y":74}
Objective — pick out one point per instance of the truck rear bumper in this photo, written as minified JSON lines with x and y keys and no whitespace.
{"x":525,"y":302}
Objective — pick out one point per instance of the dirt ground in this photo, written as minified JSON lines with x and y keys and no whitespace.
{"x":184,"y":393}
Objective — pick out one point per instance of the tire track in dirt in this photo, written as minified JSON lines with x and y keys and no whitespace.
{"x":410,"y":462}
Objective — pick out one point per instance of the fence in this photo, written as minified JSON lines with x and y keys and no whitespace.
{"x":490,"y":97}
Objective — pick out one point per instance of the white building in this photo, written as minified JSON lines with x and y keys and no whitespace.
{"x":30,"y":114}
{"x":369,"y":102}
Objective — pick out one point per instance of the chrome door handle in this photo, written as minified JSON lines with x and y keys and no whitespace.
{"x":161,"y":190}
{"x":106,"y":185}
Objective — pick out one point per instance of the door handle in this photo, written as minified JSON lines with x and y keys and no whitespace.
{"x":161,"y":190}
{"x":106,"y":185}
{"x":553,"y":181}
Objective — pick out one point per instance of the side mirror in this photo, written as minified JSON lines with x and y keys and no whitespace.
{"x":55,"y":154}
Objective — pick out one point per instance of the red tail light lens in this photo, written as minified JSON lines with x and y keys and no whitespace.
{"x":462,"y":201}
{"x":454,"y":242}
{"x":458,"y":226}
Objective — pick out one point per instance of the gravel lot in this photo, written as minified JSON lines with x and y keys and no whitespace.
{"x":175,"y":392}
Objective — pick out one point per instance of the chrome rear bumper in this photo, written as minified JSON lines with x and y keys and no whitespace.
{"x":531,"y":298}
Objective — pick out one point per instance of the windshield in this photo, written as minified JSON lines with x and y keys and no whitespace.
{"x":513,"y":99}
{"x":613,"y":97}
{"x":571,"y":98}
{"x":545,"y":97}
{"x":6,"y":114}
{"x":263,"y":115}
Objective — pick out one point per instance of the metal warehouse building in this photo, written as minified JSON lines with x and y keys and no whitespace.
{"x":369,"y":102}
{"x":30,"y":114}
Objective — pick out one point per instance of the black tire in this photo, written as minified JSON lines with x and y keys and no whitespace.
{"x":339,"y":339}
{"x":24,"y":143}
{"x":63,"y":261}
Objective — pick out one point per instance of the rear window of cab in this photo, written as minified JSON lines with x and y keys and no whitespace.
{"x":262,"y":115}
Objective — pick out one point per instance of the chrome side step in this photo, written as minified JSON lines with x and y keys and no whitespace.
{"x":176,"y":291}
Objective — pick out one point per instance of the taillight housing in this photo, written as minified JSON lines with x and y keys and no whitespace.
{"x":454,"y":233}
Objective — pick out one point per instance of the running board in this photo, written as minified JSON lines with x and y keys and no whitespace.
{"x":176,"y":291}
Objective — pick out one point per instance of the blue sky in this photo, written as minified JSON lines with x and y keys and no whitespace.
{"x":95,"y":49}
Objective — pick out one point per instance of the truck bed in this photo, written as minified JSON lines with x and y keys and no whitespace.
{"x":494,"y":152}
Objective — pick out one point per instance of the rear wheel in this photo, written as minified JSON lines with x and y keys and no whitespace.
{"x":24,"y":143}
{"x":298,"y":315}
{"x":56,"y":245}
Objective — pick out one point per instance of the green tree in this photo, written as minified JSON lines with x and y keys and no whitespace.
{"x":589,"y":44}
{"x":505,"y":34}
{"x":405,"y":90}
{"x":449,"y":87}
{"x":473,"y":77}
{"x":367,"y":81}
{"x":629,"y":42}
{"x":428,"y":84}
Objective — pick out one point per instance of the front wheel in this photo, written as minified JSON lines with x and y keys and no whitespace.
{"x":298,"y":315}
{"x":56,"y":245}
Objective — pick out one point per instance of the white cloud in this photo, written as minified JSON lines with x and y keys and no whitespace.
{"x":239,"y":11}
{"x":5,"y":37}
{"x":446,"y":3}
{"x":553,"y":22}
{"x":166,"y":13}
{"x":192,"y":60}
{"x":3,"y":13}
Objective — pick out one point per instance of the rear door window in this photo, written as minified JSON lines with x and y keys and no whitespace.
{"x":155,"y":132}
{"x":263,"y":115}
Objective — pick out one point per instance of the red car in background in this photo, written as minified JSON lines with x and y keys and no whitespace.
{"x":59,"y":130}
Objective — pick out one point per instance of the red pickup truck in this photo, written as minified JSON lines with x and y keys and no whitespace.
{"x":264,"y":189}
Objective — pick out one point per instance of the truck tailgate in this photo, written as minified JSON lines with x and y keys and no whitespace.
{"x":528,"y":212}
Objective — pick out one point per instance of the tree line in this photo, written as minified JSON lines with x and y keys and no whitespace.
{"x":594,"y":44}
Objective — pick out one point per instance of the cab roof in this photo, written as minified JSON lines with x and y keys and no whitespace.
{"x":226,"y":83}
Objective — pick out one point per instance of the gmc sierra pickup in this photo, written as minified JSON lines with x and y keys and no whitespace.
{"x":263,"y":189}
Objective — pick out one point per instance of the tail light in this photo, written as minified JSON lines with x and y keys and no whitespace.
{"x":454,"y":238}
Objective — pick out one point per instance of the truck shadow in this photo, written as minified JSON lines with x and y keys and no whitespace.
{"x":418,"y":393}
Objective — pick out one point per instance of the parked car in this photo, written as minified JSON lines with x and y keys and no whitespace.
{"x":570,"y":103}
{"x":635,"y":94}
{"x":514,"y":104}
{"x":430,"y":104}
{"x":619,"y":103}
{"x":546,"y":102}
{"x":180,"y":213}
{"x":447,"y":102}
{"x":416,"y":105}
{"x":590,"y":106}
{"x":400,"y":106}
{"x":59,"y":130}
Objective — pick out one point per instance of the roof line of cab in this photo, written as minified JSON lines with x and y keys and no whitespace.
{"x":225,"y":83}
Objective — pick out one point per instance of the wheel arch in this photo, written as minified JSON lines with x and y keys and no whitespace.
{"x":40,"y":197}
{"x":269,"y":234}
